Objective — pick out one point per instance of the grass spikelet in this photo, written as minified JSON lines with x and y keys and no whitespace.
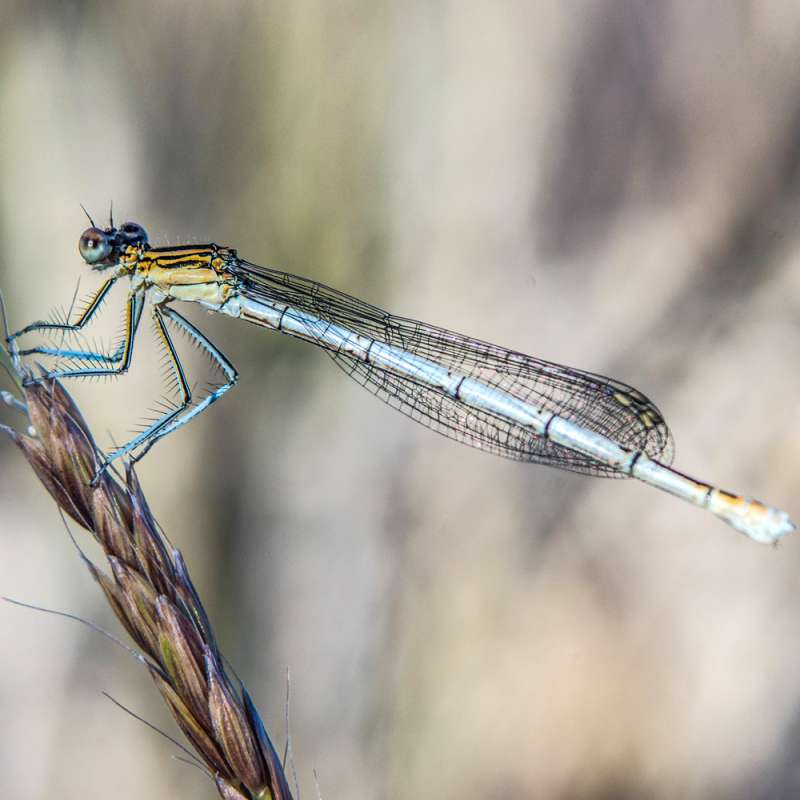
{"x":149,"y":589}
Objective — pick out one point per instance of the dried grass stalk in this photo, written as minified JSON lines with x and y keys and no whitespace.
{"x":151,"y":593}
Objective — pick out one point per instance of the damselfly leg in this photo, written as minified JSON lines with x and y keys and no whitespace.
{"x":184,"y":411}
{"x":133,"y":314}
{"x":71,"y":354}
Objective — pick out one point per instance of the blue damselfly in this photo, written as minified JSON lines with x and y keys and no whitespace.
{"x":483,"y":395}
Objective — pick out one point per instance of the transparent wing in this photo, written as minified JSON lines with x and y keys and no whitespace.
{"x":598,"y":403}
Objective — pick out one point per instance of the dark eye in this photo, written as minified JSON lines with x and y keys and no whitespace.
{"x":131,"y":233}
{"x":94,"y":246}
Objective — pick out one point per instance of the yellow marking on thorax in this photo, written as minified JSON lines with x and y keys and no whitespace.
{"x":193,"y":274}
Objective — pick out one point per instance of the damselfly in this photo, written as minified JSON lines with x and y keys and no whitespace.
{"x":477,"y":393}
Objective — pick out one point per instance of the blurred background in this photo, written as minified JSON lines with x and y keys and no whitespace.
{"x":613,"y":185}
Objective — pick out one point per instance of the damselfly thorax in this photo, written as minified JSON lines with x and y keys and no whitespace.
{"x":189,"y":273}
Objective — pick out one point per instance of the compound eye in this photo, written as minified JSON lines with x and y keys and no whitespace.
{"x":132,"y":233}
{"x":94,"y":246}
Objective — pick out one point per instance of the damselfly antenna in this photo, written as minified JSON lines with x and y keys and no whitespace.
{"x":88,"y":216}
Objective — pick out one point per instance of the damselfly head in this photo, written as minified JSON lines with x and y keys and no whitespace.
{"x":101,"y":249}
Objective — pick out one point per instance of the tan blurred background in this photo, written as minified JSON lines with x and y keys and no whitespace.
{"x":611,"y":184}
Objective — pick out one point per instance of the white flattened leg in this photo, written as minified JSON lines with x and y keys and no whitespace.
{"x":186,"y":413}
